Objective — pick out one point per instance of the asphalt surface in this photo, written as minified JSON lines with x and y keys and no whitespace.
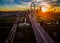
{"x":11,"y":35}
{"x":40,"y":34}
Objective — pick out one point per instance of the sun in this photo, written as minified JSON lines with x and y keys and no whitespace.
{"x":44,"y":9}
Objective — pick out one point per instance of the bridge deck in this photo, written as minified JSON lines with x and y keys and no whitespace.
{"x":40,"y":34}
{"x":11,"y":35}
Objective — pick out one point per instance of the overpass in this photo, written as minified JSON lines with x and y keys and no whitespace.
{"x":11,"y":35}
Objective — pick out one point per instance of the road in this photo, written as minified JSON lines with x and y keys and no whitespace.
{"x":40,"y":34}
{"x":11,"y":35}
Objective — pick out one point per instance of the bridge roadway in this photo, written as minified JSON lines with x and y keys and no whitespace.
{"x":11,"y":35}
{"x":40,"y":34}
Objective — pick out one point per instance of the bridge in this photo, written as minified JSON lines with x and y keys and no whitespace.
{"x":11,"y":35}
{"x":40,"y":34}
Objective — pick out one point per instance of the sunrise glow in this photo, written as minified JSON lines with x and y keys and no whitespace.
{"x":44,"y":9}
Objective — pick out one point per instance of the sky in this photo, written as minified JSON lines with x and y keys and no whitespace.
{"x":6,"y":5}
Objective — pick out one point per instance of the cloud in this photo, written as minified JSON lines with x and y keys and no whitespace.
{"x":28,"y":2}
{"x":3,"y":2}
{"x":49,"y":2}
{"x":7,"y":0}
{"x":11,"y":0}
{"x":15,"y":3}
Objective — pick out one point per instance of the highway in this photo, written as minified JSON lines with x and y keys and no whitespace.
{"x":11,"y":35}
{"x":40,"y":34}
